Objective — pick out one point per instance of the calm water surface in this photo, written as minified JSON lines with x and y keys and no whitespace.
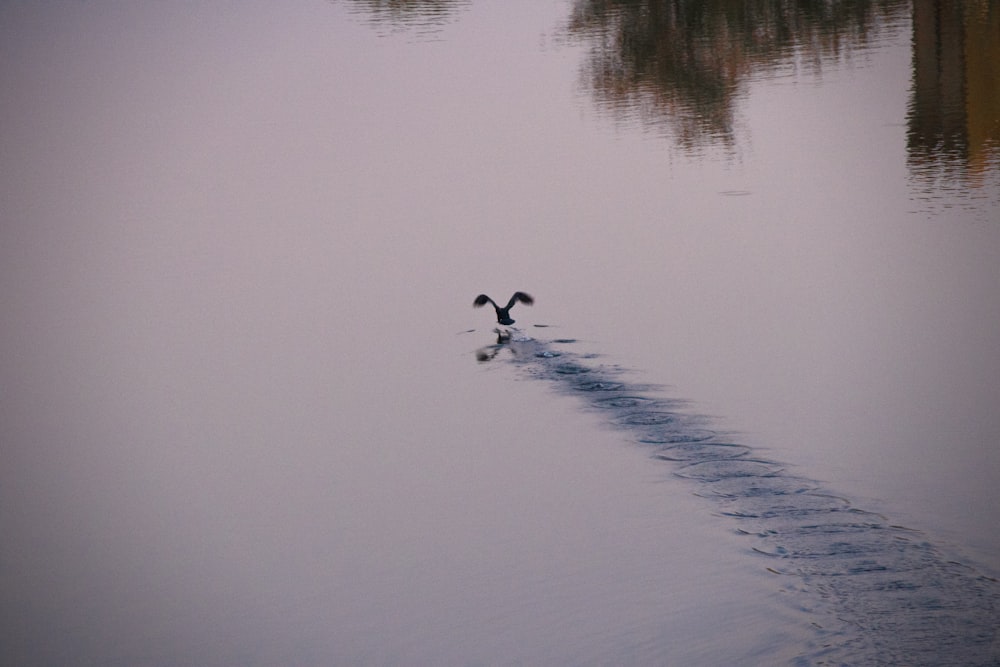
{"x":249,"y":416}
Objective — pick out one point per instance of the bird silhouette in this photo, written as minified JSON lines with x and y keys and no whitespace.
{"x":503,"y":314}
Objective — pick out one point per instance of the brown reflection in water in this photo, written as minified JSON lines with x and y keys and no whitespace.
{"x":423,"y":17}
{"x":679,"y":66}
{"x":954,"y":116}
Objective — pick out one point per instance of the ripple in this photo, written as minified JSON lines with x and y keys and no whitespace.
{"x":598,"y":385}
{"x":623,"y":402}
{"x":647,"y":418}
{"x":571,"y":369}
{"x":702,"y":451}
{"x":868,"y":556}
{"x":846,"y":521}
{"x":677,"y":436}
{"x":823,"y":539}
{"x":767,"y":506}
{"x":710,"y":471}
{"x":737,"y":487}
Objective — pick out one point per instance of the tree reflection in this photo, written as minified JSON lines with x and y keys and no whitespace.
{"x":420,"y":16}
{"x":681,"y":65}
{"x":953,"y":128}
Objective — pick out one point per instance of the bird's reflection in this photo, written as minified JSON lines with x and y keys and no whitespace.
{"x":487,"y":353}
{"x":506,"y":340}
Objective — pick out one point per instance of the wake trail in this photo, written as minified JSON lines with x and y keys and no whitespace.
{"x":879,"y":593}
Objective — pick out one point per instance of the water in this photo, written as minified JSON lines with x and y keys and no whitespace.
{"x":877,"y":593}
{"x":243,"y":420}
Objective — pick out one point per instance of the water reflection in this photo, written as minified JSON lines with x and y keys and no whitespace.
{"x":681,"y":67}
{"x":953,"y":128}
{"x":424,"y":18}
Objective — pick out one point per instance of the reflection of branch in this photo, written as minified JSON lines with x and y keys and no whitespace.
{"x":410,"y":14}
{"x":953,"y":125}
{"x":682,"y":63}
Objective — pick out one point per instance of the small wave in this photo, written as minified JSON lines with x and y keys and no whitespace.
{"x":713,"y":471}
{"x":702,"y":451}
{"x":677,"y":436}
{"x":646,"y":418}
{"x":623,"y":402}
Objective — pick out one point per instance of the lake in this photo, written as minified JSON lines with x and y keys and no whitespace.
{"x":250,"y":416}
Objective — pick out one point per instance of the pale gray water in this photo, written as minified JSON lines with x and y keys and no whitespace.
{"x":242,"y":421}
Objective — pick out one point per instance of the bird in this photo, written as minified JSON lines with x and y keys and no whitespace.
{"x":503,"y":314}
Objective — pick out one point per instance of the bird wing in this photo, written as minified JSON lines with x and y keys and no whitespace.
{"x":522,"y":297}
{"x":482,"y":300}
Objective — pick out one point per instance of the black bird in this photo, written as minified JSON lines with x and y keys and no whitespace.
{"x":503,"y":314}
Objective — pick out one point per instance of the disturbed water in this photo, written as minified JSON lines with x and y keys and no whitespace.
{"x":878,"y":593}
